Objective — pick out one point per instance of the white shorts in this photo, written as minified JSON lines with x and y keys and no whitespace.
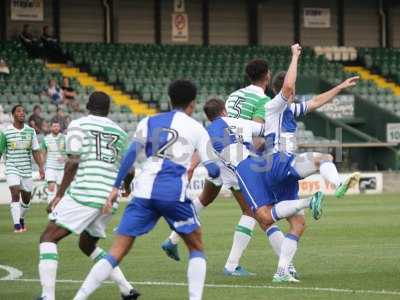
{"x":25,"y":184}
{"x":228,"y":177}
{"x":77,"y":218}
{"x":54,"y":175}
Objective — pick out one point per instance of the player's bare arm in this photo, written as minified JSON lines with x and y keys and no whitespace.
{"x":193,"y":165}
{"x":289,"y":84}
{"x":38,"y":157}
{"x":71,"y":166}
{"x":324,"y":98}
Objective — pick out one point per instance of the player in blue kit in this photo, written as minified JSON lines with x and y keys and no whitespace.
{"x":270,"y":182}
{"x":169,"y":141}
{"x":322,"y":162}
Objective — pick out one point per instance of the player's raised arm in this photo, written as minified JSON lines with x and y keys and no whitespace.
{"x":327,"y":97}
{"x":289,"y":84}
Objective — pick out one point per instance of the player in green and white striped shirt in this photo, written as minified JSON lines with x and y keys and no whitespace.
{"x":95,"y":146}
{"x":248,"y":103}
{"x":53,"y":145}
{"x":18,"y":142}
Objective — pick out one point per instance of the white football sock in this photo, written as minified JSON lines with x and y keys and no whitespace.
{"x":15,"y":208}
{"x":196,"y":274}
{"x":198,"y":206}
{"x":48,"y":269}
{"x":288,"y":250}
{"x":241,"y":239}
{"x":24,"y":209}
{"x":275,"y":237}
{"x":329,"y":172}
{"x":288,"y":208}
{"x":99,"y":273}
{"x":116,"y":275}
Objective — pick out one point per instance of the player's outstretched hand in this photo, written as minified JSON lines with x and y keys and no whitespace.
{"x":349,"y":82}
{"x":53,"y":204}
{"x":296,"y":50}
{"x":107,"y":208}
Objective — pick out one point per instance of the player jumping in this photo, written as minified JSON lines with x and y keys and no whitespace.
{"x":248,"y":104}
{"x":18,"y":142}
{"x":169,"y":140}
{"x":53,"y":146}
{"x":94,"y":145}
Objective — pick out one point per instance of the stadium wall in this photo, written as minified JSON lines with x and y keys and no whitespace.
{"x":276,"y":22}
{"x":193,"y":9}
{"x":13,"y":28}
{"x":361,"y":23}
{"x":81,"y":21}
{"x":228,"y":22}
{"x":135,"y":21}
{"x":319,"y":36}
{"x":394,"y":21}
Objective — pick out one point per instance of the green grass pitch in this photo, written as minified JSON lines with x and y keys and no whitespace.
{"x":353,"y":252}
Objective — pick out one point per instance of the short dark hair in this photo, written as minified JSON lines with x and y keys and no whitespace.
{"x":99,"y":103}
{"x":277,"y":82}
{"x":36,"y":107}
{"x":15,"y":108}
{"x":182,"y":92}
{"x":256,"y":69}
{"x":55,"y":121}
{"x":213,"y":108}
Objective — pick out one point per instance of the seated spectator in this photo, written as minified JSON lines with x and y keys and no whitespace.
{"x":69,"y":95}
{"x":33,"y":124}
{"x":33,"y":46}
{"x":36,"y":116}
{"x":46,"y":36}
{"x":54,"y":92}
{"x":61,"y":118}
{"x":3,"y":67}
{"x":45,"y":129}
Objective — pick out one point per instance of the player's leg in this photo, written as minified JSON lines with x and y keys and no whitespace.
{"x":207,"y":196}
{"x":310,"y":163}
{"x":14,"y":184}
{"x":288,"y":250}
{"x":48,"y":258}
{"x":88,"y":245}
{"x":241,"y":237}
{"x":51,"y":190}
{"x":182,"y":217}
{"x":26,"y":196}
{"x":139,"y":218}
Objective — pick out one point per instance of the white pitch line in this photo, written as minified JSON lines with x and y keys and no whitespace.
{"x":234,"y":286}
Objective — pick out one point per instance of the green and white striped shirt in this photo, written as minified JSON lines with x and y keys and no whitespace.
{"x":100,"y":143}
{"x":54,"y":145}
{"x":17,"y":145}
{"x":247,"y":103}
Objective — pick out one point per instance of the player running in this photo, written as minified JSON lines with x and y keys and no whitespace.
{"x":169,"y":140}
{"x":248,"y":104}
{"x":94,"y":145}
{"x":19,"y":142}
{"x":53,"y":146}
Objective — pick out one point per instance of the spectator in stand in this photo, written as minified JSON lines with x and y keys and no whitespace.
{"x":32,"y":45}
{"x":50,"y":44}
{"x":61,"y":118}
{"x":4,"y":69}
{"x":69,"y":95}
{"x":36,"y":116}
{"x":45,"y":129}
{"x":54,"y":92}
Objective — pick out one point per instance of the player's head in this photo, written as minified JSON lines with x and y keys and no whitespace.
{"x":182,"y":94}
{"x":18,"y":113}
{"x":277,"y":82}
{"x":258,"y":72}
{"x":55,"y":127}
{"x":214,"y":108}
{"x":99,"y":104}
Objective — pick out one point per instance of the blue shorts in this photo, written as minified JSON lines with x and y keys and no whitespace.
{"x":266,"y":181}
{"x":141,"y":215}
